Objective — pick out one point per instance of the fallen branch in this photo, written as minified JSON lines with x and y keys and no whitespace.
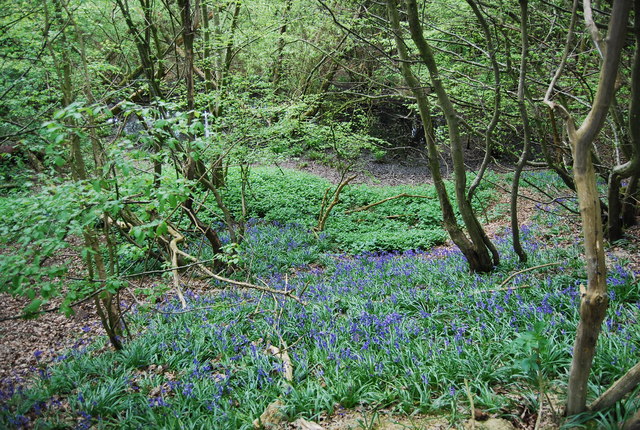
{"x":285,"y":293}
{"x":495,"y":290}
{"x":242,"y":284}
{"x":618,"y":390}
{"x":513,"y":275}
{"x":158,"y":271}
{"x":400,"y":216}
{"x":369,"y":206}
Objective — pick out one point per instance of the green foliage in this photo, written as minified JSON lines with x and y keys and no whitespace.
{"x":257,"y":125}
{"x":34,"y":230}
{"x":288,"y":196}
{"x":532,"y":344}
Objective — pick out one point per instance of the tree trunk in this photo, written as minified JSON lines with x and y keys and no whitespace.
{"x":107,"y":308}
{"x":515,"y":226}
{"x":495,"y":68}
{"x":594,"y":299}
{"x":276,"y":73}
{"x":478,"y":261}
{"x":621,"y":207}
{"x":194,"y":170}
{"x":206,"y":51}
{"x":187,"y":37}
{"x":485,"y":254}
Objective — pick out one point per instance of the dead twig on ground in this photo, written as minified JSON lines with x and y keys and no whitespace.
{"x":513,"y":275}
{"x":369,"y":206}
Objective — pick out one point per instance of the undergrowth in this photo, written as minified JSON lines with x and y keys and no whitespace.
{"x":400,"y":224}
{"x":403,"y":330}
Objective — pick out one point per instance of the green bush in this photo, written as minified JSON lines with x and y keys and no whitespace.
{"x":288,"y":196}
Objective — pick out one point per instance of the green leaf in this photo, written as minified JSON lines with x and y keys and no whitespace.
{"x":162,"y":228}
{"x":32,"y":308}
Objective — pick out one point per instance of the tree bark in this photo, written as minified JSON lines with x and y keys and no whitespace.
{"x":618,"y":390}
{"x":594,"y":299}
{"x":515,"y":226}
{"x":485,"y":254}
{"x":477,"y":261}
{"x":621,"y":206}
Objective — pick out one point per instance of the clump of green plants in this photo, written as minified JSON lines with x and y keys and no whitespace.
{"x":366,"y":218}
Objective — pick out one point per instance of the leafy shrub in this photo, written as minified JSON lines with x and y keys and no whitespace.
{"x":288,"y":196}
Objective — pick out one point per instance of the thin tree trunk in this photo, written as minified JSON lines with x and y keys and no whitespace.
{"x":617,"y":199}
{"x":594,"y":299}
{"x":188,"y":37}
{"x":485,"y":252}
{"x":194,"y":170}
{"x":554,"y":162}
{"x":495,"y":68}
{"x":206,"y":52}
{"x":276,"y":73}
{"x":515,"y":226}
{"x":107,"y":308}
{"x":448,"y":214}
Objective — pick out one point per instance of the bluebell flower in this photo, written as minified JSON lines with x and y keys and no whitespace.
{"x":158,"y":402}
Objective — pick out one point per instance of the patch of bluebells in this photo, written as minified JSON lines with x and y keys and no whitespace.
{"x":19,"y":421}
{"x":272,"y":248}
{"x":158,"y":402}
{"x":85,"y":421}
{"x":417,"y":318}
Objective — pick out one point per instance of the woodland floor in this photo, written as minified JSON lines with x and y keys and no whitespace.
{"x":29,"y":345}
